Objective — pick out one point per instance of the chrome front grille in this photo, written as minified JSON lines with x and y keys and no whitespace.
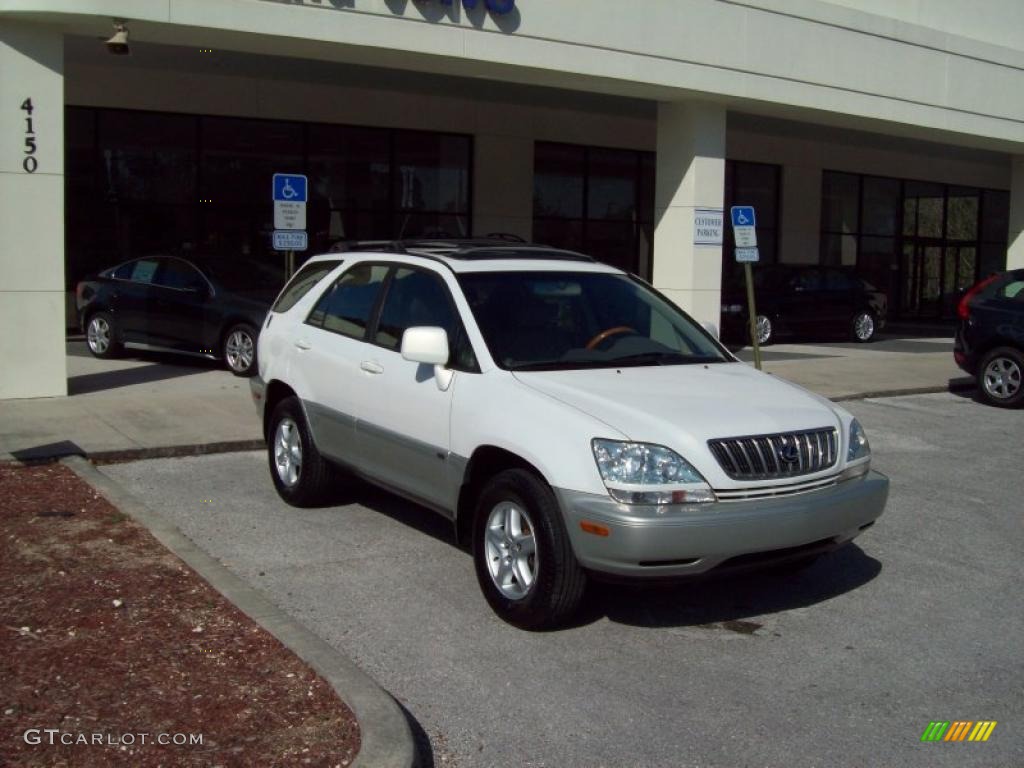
{"x":768,"y":457}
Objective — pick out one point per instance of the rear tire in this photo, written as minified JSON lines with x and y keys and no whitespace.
{"x":101,"y":336}
{"x":524,"y":560}
{"x":239,"y":349}
{"x":863,"y":327}
{"x":300,"y":474}
{"x":1000,"y":377}
{"x":764,"y":329}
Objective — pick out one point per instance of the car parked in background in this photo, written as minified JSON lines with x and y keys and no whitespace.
{"x":798,"y":300}
{"x":211,"y":307}
{"x":990,"y":337}
{"x":569,"y":420}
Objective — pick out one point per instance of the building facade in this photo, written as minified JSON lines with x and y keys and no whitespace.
{"x":883,"y":135}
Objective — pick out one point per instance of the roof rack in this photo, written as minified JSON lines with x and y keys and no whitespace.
{"x":497,"y":246}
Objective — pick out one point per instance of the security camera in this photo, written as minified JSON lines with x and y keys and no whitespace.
{"x":118,"y":44}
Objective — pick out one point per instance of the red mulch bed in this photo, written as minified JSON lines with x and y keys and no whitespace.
{"x":171,"y":656}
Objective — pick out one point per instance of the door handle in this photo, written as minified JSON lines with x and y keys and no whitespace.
{"x":371,"y":367}
{"x":303,"y":345}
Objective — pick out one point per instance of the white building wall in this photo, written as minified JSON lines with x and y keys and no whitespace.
{"x":31,"y":214}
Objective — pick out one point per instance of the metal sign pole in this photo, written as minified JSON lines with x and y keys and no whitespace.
{"x":752,"y":312}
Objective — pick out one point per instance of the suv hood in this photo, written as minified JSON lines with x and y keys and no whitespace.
{"x":684,"y":406}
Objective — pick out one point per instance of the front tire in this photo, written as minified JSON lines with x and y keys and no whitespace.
{"x":524,"y":560}
{"x":239,"y":350}
{"x":999,"y":377}
{"x":863,"y":327}
{"x":101,"y":336}
{"x":300,"y":474}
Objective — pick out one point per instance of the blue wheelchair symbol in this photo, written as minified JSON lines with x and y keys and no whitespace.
{"x":290,"y":187}
{"x":743,"y":216}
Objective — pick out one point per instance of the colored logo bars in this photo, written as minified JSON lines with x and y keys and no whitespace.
{"x":958,"y":730}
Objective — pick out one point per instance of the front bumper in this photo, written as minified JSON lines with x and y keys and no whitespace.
{"x":652,"y":542}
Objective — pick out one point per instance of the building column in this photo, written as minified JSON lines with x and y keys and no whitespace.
{"x":503,"y":185}
{"x":31,"y":212}
{"x":691,"y":174}
{"x":1015,"y":252}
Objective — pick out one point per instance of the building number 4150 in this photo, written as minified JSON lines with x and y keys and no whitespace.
{"x":30,"y":163}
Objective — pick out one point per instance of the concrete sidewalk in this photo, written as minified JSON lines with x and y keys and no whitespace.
{"x":153,"y":405}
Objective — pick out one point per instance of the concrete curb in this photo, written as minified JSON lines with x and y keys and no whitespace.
{"x":386,"y":739}
{"x":951,"y":387}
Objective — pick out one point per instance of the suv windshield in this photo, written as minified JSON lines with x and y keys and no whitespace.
{"x":564,"y":320}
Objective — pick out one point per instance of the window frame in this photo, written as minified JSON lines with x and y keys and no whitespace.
{"x":374,"y":308}
{"x":462,"y":332}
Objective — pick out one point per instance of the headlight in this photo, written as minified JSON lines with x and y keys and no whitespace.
{"x":859,"y":448}
{"x":732,"y":309}
{"x":641,"y":473}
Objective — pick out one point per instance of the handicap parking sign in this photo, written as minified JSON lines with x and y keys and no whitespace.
{"x":290,"y":188}
{"x":743,"y":216}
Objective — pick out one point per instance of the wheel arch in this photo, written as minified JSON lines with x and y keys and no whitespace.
{"x":485,"y":463}
{"x":275,"y":392}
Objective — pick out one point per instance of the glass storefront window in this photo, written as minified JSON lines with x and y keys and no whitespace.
{"x":558,"y":180}
{"x":430,"y":172}
{"x":839,"y":202}
{"x":147,"y":157}
{"x":595,"y":200}
{"x":881,"y":206}
{"x":924,"y":216}
{"x":149,"y":182}
{"x":962,"y":213}
{"x":941,"y":247}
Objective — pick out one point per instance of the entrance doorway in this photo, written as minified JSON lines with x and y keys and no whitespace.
{"x":934,"y":275}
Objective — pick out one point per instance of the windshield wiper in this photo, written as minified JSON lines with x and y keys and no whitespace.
{"x":561,"y":365}
{"x":658,"y":358}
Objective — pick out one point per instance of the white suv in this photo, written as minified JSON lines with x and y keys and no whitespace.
{"x":566,"y":417}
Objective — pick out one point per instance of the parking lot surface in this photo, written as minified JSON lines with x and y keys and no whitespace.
{"x":844,"y":663}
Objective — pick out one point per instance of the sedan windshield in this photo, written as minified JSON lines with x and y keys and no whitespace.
{"x":563,"y":320}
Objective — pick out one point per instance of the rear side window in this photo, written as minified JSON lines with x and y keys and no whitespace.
{"x":1013,"y":290}
{"x":141,"y":271}
{"x":303,"y":283}
{"x":347,"y":306}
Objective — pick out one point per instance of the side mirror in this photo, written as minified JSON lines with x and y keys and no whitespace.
{"x":425,"y":344}
{"x":428,"y":345}
{"x":711,"y":328}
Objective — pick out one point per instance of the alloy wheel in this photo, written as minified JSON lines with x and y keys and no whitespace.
{"x":288,"y":452}
{"x":1002,"y":378}
{"x":864,"y":326}
{"x":98,"y":335}
{"x":763,"y":328}
{"x":239,"y":351}
{"x":511,"y":550}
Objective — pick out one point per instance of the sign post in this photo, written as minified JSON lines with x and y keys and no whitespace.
{"x":744,"y":224}
{"x":289,"y":192}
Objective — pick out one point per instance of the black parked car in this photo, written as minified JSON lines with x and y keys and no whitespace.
{"x":990,"y":339}
{"x":797,"y":300}
{"x":211,"y":307}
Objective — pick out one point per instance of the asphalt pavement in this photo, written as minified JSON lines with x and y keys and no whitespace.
{"x":845,"y":663}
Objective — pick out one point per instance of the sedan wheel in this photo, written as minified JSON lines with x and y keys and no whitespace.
{"x":240,"y":350}
{"x":763,"y":329}
{"x":864,"y":327}
{"x":101,"y":336}
{"x":1001,"y":377}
